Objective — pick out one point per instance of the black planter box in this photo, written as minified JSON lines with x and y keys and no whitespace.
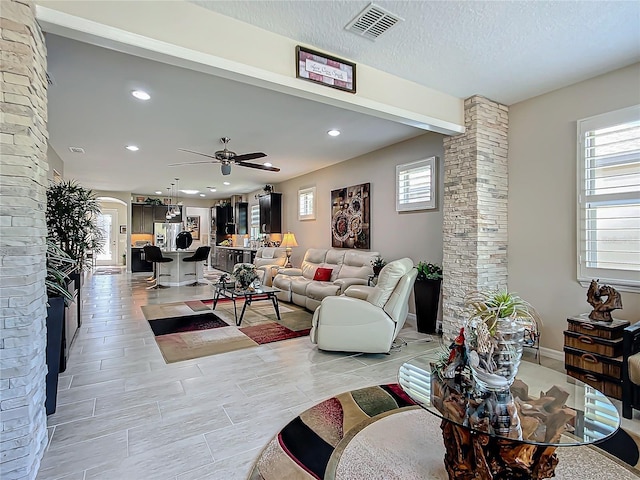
{"x":55,"y":322}
{"x":427,"y":297}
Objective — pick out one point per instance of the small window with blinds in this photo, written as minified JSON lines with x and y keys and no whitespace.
{"x":255,"y":221}
{"x":609,"y":198}
{"x":307,"y":203}
{"x":416,"y":185}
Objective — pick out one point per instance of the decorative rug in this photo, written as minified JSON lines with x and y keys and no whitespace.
{"x":379,"y":433}
{"x":108,"y":271}
{"x":187,"y":330}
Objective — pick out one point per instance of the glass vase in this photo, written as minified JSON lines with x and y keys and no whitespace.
{"x":495,"y":353}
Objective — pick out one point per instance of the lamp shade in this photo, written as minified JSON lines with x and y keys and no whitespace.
{"x":289,"y":240}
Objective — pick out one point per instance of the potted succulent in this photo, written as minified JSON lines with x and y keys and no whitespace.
{"x":494,"y":336}
{"x":426,"y":292}
{"x":377,"y":263}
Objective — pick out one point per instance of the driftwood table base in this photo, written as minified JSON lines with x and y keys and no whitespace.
{"x":476,"y":456}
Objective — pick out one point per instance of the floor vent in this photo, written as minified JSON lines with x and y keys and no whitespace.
{"x":372,"y":22}
{"x":77,"y":149}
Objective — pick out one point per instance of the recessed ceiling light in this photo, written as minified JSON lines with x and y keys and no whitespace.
{"x":158,"y":192}
{"x":190,"y":192}
{"x":212,"y":189}
{"x":226,"y":183}
{"x":132,"y":148}
{"x":268,"y":164}
{"x":141,"y":95}
{"x":202,"y":195}
{"x":333,"y":133}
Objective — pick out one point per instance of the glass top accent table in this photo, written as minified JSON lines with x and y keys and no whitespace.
{"x":249,"y":296}
{"x":512,"y":434}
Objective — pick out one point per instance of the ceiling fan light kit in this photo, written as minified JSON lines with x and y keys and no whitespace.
{"x":226,"y":157}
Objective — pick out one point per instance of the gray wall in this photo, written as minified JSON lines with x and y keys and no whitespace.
{"x":417,"y":235}
{"x":55,"y":163}
{"x":542,"y":196}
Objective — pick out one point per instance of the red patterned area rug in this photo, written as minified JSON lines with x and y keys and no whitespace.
{"x":187,"y":330}
{"x":379,"y":433}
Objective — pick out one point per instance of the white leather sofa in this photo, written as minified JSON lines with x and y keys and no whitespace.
{"x":366,"y":319}
{"x":267,"y":260}
{"x":348,"y":267}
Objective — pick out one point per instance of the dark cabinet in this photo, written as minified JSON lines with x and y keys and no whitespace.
{"x":271,"y":213}
{"x":224,"y":215}
{"x":242,"y":218}
{"x":138,"y":262}
{"x":142,"y":218}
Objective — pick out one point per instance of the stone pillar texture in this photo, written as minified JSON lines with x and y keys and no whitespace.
{"x":475,"y":208}
{"x":23,"y":231}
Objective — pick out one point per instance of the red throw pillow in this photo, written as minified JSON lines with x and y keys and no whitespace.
{"x":323,"y":274}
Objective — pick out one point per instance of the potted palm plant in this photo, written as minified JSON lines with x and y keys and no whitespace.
{"x":377,"y":264}
{"x":426,"y":292}
{"x":59,"y":265}
{"x":72,"y":212}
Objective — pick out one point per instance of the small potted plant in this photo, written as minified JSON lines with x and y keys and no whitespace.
{"x":377,"y":264}
{"x":245,"y":274}
{"x":426,"y":291}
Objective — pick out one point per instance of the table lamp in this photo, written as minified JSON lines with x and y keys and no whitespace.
{"x":288,"y":241}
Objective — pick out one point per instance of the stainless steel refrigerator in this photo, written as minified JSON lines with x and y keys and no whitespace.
{"x":165,"y":234}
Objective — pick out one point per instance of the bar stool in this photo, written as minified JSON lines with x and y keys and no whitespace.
{"x":202,"y":253}
{"x":153,"y":254}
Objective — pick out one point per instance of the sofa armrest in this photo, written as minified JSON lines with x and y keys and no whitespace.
{"x":358,"y":291}
{"x":345,"y":283}
{"x":343,"y":311}
{"x":290,"y":271}
{"x":268,"y":272}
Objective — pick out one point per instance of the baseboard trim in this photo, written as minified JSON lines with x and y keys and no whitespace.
{"x":551,"y":353}
{"x":411,"y":320}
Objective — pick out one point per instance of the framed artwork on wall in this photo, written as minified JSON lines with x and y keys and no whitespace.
{"x":326,"y":70}
{"x":350,"y":217}
{"x":193,"y":226}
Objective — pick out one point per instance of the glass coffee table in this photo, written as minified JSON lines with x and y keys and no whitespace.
{"x":249,"y":296}
{"x":512,"y":434}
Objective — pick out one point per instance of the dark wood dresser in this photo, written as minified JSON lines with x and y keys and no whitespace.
{"x":593,"y":353}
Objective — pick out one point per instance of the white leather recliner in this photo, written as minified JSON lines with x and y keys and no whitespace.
{"x":267,"y":260}
{"x":366,"y":319}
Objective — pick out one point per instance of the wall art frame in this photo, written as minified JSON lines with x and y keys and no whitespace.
{"x":351,"y":217}
{"x":325,"y":69}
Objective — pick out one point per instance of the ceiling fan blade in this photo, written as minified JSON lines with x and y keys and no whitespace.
{"x":192,"y":163}
{"x":257,"y":166}
{"x":249,"y":156}
{"x":198,"y":153}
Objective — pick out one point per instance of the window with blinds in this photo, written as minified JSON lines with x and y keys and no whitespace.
{"x":306,"y":203}
{"x":609,"y":198}
{"x":416,"y":185}
{"x":255,"y":221}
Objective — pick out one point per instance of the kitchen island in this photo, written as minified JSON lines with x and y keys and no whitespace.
{"x":175,"y":274}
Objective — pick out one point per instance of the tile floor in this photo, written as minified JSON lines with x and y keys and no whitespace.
{"x":124,"y":414}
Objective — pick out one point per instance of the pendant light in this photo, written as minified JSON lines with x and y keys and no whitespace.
{"x":168,"y":215}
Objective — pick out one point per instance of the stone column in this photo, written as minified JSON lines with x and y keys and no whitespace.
{"x":23,"y":230}
{"x":475,"y":208}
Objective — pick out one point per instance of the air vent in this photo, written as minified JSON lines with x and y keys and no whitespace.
{"x":50,"y":80}
{"x":372,"y":22}
{"x":77,"y":149}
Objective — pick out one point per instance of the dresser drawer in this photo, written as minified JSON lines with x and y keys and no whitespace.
{"x":608,"y":330}
{"x":608,"y":387}
{"x":592,"y":362}
{"x":587,"y":343}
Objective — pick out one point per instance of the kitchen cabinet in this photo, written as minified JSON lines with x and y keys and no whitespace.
{"x":142,"y":218}
{"x":242,"y":218}
{"x":271,"y":213}
{"x":227,"y":257}
{"x":138,"y":262}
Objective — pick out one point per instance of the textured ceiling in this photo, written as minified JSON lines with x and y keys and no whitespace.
{"x":505,"y":50}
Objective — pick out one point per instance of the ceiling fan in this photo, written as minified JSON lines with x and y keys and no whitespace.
{"x":226,"y":157}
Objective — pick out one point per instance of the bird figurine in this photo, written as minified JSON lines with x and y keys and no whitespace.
{"x":457,"y":356}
